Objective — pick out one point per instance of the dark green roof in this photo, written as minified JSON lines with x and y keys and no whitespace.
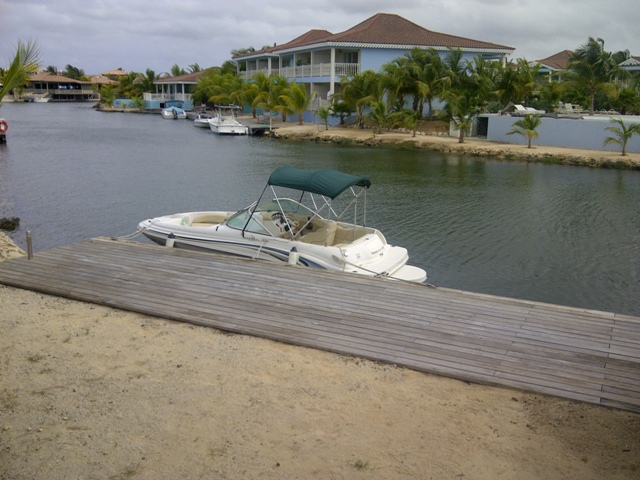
{"x":329,"y":183}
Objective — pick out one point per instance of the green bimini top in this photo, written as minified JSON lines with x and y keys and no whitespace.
{"x":327,"y":182}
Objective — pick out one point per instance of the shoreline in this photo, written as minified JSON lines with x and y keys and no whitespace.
{"x":89,"y":391}
{"x":442,"y":142}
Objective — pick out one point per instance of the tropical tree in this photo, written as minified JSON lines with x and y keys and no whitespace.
{"x":358,"y":91}
{"x":256,"y":91}
{"x":623,"y":134}
{"x":324,"y":113}
{"x":431,"y":74}
{"x":273,"y":98}
{"x":296,"y":100}
{"x":400,"y":79}
{"x":378,"y":113}
{"x":460,"y":109}
{"x":52,"y":70}
{"x":176,"y":71}
{"x":594,"y":70}
{"x":340,"y":109}
{"x":454,"y":70}
{"x":409,"y":120}
{"x":73,"y":72}
{"x":242,"y":51}
{"x":526,"y":127}
{"x":25,"y":62}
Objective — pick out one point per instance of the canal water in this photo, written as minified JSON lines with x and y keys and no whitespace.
{"x":549,"y":233}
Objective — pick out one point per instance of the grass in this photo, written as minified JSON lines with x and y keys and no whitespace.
{"x":360,"y":465}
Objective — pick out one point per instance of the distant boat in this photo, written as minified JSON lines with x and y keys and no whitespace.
{"x":202,"y":120}
{"x":174,"y":113}
{"x":37,"y":98}
{"x":224,"y":121}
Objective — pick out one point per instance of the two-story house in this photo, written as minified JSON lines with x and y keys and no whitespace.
{"x":319,"y":59}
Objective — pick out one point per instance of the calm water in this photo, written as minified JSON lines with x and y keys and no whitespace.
{"x":549,"y":233}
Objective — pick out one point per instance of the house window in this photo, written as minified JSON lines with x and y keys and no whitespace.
{"x":351,"y":57}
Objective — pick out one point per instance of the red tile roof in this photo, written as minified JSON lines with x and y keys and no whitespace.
{"x":557,"y":61}
{"x":389,"y":29}
{"x":49,"y":77}
{"x":385,"y":29}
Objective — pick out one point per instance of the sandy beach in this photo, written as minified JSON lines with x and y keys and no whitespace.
{"x":90,"y":392}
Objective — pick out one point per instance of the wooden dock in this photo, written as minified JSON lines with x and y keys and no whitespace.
{"x":572,"y":353}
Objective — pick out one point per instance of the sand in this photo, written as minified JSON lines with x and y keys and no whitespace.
{"x":90,"y":392}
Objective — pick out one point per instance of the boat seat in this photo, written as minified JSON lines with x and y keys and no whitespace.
{"x":323,"y":236}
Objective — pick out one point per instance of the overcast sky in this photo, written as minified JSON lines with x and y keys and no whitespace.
{"x":101,"y":35}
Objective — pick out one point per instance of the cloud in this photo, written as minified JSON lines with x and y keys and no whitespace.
{"x":99,"y":35}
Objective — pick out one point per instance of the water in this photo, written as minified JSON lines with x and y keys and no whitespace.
{"x":549,"y":233}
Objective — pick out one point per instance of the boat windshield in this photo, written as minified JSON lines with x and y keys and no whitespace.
{"x":261,"y":219}
{"x":239,"y":221}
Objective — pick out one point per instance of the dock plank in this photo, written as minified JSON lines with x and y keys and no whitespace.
{"x":572,"y":353}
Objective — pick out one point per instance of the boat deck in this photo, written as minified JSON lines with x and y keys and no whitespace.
{"x":566,"y":352}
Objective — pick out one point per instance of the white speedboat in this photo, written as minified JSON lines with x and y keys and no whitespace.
{"x":309,"y":230}
{"x":202,"y":120}
{"x":174,"y":113}
{"x":224,"y":121}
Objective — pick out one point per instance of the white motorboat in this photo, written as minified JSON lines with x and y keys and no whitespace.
{"x":174,"y":113}
{"x":202,"y":120}
{"x":309,"y":231}
{"x":224,"y":121}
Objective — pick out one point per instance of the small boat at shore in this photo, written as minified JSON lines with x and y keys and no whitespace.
{"x":310,"y":230}
{"x":202,"y":120}
{"x":174,"y":113}
{"x":224,"y":121}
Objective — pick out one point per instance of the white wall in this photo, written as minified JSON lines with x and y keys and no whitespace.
{"x":563,"y":132}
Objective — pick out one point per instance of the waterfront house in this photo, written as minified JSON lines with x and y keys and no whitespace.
{"x":58,"y":88}
{"x":318,"y":59}
{"x":632,"y":64}
{"x":555,"y":65}
{"x":175,"y":91}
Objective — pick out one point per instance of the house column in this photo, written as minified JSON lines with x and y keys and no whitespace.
{"x":332,"y":79}
{"x":268,"y":66}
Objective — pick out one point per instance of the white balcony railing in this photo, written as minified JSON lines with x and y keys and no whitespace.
{"x":306,"y":71}
{"x":163,"y":97}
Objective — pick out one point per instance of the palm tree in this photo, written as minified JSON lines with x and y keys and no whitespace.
{"x":432,"y":72}
{"x":340,"y":109}
{"x":623,"y":134}
{"x":176,"y":71}
{"x":296,"y":100}
{"x":73,"y":72}
{"x":461,"y":108}
{"x":527,"y":128}
{"x":24,"y":63}
{"x":275,"y":97}
{"x":324,"y":114}
{"x":358,"y":91}
{"x":594,"y":70}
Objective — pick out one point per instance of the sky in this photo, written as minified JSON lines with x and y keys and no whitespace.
{"x":136,"y":35}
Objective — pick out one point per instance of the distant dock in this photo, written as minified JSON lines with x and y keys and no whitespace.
{"x":572,"y":353}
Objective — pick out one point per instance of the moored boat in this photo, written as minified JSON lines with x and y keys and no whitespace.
{"x":201,"y":120}
{"x":224,"y":121}
{"x":174,"y":113}
{"x":310,"y":230}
